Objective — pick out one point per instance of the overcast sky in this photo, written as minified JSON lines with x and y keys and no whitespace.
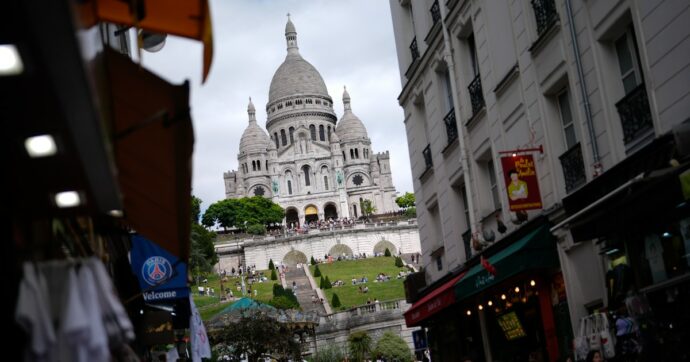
{"x":349,"y":42}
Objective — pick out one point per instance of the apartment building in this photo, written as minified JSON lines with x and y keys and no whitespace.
{"x":591,"y":98}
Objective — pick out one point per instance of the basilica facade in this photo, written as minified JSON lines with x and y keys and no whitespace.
{"x":312,"y":164}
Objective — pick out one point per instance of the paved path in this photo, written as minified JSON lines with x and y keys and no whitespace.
{"x":304,"y":291}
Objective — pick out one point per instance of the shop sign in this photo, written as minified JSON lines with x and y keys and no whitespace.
{"x":483,"y":280}
{"x":521,"y":181}
{"x":162,"y":276}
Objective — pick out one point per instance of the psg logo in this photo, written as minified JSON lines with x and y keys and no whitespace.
{"x":156,"y":270}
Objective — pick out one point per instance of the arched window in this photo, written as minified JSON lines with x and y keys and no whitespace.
{"x":289,"y":183}
{"x":292,"y":131}
{"x":305,"y":169}
{"x":253,"y":165}
{"x":322,"y":134}
{"x":275,"y":138}
{"x":354,"y":207}
{"x":258,"y":165}
{"x":266,"y":165}
{"x":352,"y":154}
{"x":283,"y":137}
{"x":329,"y":133}
{"x":356,"y":152}
{"x":325,"y":182}
{"x":312,"y":129}
{"x":344,"y":155}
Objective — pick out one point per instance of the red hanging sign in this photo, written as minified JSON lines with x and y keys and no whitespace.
{"x":522,"y":185}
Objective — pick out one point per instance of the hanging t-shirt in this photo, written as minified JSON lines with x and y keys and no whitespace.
{"x":97,"y":347}
{"x":654,"y":252}
{"x":33,"y":316}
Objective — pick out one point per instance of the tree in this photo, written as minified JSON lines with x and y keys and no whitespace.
{"x":317,"y":272}
{"x":256,"y":229}
{"x":328,"y":283}
{"x":259,"y":335}
{"x":392,"y":348}
{"x":202,"y":256}
{"x":271,"y":266}
{"x":335,"y":302}
{"x":359,"y":345}
{"x":313,"y":262}
{"x":387,"y":252}
{"x":367,"y":207}
{"x":243,"y":212}
{"x":406,"y":200}
{"x":398,"y":262}
{"x":273,"y":275}
{"x":322,"y":283}
{"x":196,"y":209}
{"x":411,"y":212}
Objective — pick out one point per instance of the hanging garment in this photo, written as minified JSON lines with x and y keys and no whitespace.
{"x":33,"y":315}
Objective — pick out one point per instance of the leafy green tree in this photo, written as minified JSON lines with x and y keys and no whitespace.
{"x":317,"y":272}
{"x":256,"y":336}
{"x":256,"y":229}
{"x":329,"y":353}
{"x":271,"y":266}
{"x":359,"y":345}
{"x":202,"y":256}
{"x":278,"y":290}
{"x":328,"y":283}
{"x":392,"y":347}
{"x":411,"y":212}
{"x":398,"y":262}
{"x":322,"y":283}
{"x":284,"y":302}
{"x":273,"y":275}
{"x":367,"y":207}
{"x":313,"y":262}
{"x":387,"y":252}
{"x":196,"y":209}
{"x":406,"y":200}
{"x":243,"y":212}
{"x":335,"y":301}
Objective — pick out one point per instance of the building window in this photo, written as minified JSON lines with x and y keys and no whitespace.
{"x":439,"y":263}
{"x":259,"y":191}
{"x":493,"y":184}
{"x":329,"y":133}
{"x":325,"y":182}
{"x":344,"y":155}
{"x":253,"y":165}
{"x":567,"y":119}
{"x":305,"y":169}
{"x":322,"y":133}
{"x":289,"y":185}
{"x":354,"y":208}
{"x":275,"y":138}
{"x":356,"y":152}
{"x":312,"y":129}
{"x":352,"y":153}
{"x":449,"y":90}
{"x":283,"y":137}
{"x":357,"y":180}
{"x":292,"y":137}
{"x":258,"y":165}
{"x":628,"y":61}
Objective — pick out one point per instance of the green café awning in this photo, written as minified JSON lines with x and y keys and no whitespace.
{"x":536,"y":250}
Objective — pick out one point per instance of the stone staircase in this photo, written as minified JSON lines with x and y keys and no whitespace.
{"x":304,"y":291}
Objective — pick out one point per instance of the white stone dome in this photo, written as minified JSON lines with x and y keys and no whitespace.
{"x":350,"y":127}
{"x":296,"y":75}
{"x":254,"y":139}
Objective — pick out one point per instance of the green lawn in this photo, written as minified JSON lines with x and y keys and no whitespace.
{"x":349,"y":294}
{"x":209,"y":306}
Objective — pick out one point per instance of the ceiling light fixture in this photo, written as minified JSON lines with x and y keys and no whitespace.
{"x":67,"y":199}
{"x":40,"y":146}
{"x":10,"y":61}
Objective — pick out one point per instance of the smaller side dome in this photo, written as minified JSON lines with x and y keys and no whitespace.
{"x":254,"y":139}
{"x":350,"y":127}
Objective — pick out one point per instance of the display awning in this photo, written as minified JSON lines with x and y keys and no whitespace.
{"x":536,"y":250}
{"x":432,"y":303}
{"x":186,"y":18}
{"x":153,"y":141}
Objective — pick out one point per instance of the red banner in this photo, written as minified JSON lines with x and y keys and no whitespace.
{"x":522,"y":185}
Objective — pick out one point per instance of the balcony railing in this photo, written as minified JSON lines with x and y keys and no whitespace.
{"x":435,"y":12}
{"x":573,"y":168}
{"x":636,"y":118}
{"x":427,"y":157}
{"x":451,"y":126}
{"x":545,"y":13}
{"x":476,"y":94}
{"x":414,"y":50}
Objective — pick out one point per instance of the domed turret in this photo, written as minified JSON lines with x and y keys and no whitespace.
{"x":350,"y":127}
{"x":254,"y":139}
{"x":296,"y":75}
